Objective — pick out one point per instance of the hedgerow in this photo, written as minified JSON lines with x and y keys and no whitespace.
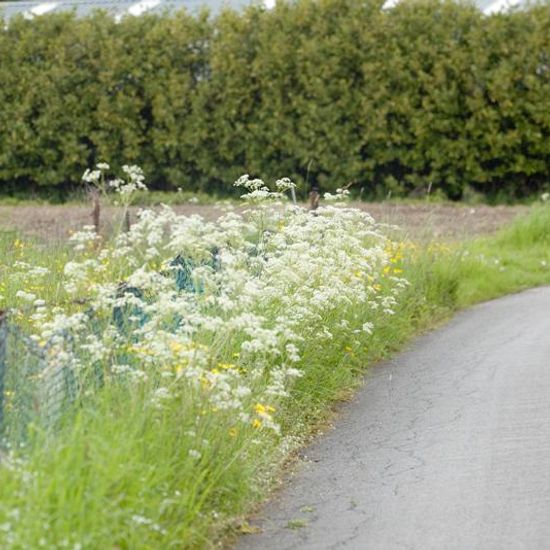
{"x":428,"y":94}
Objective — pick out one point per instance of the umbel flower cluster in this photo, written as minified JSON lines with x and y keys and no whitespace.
{"x":219,"y":311}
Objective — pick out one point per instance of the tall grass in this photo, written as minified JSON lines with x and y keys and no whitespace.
{"x":122,"y":473}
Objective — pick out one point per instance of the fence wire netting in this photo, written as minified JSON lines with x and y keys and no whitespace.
{"x":33,"y":393}
{"x":36,"y":390}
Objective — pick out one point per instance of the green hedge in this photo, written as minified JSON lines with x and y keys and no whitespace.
{"x":430,"y":93}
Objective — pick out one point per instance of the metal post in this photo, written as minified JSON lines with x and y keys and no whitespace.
{"x":3,"y":358}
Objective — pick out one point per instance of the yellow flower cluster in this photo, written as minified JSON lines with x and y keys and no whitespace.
{"x":264,"y":414}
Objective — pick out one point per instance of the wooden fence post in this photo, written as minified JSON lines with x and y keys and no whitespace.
{"x":96,"y":212}
{"x":314,"y":197}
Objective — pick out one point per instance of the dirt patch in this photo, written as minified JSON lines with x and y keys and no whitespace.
{"x":57,"y":222}
{"x":420,"y":221}
{"x":443,"y":221}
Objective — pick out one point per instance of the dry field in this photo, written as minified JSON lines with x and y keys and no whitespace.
{"x":418,"y":220}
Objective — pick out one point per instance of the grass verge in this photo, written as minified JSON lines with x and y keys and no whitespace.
{"x":123,"y":474}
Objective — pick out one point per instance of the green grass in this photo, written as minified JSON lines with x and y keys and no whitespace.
{"x":13,"y":249}
{"x":149,"y":198}
{"x":175,"y":197}
{"x":119,"y":474}
{"x":518,"y":257}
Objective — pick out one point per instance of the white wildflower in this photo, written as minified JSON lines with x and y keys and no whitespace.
{"x":368,"y":328}
{"x":25,"y":296}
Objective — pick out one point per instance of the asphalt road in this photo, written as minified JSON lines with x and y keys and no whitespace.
{"x":446,"y":447}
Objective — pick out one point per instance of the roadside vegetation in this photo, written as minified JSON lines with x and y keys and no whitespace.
{"x":203,"y":354}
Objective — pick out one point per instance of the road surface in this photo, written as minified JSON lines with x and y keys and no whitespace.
{"x":446,"y":447}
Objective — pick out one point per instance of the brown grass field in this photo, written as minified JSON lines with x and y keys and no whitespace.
{"x":420,"y":220}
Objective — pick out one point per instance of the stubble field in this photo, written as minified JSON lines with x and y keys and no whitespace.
{"x":419,"y":220}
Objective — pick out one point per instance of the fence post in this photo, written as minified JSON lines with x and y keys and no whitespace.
{"x":314,"y":197}
{"x":3,"y":358}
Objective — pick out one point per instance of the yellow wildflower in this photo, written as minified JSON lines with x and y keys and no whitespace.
{"x":226,"y":366}
{"x":175,"y":347}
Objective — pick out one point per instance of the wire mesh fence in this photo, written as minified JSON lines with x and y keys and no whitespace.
{"x":37,"y":384}
{"x":3,"y":353}
{"x":33,"y":391}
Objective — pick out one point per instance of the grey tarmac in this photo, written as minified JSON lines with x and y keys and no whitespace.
{"x":446,"y":447}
